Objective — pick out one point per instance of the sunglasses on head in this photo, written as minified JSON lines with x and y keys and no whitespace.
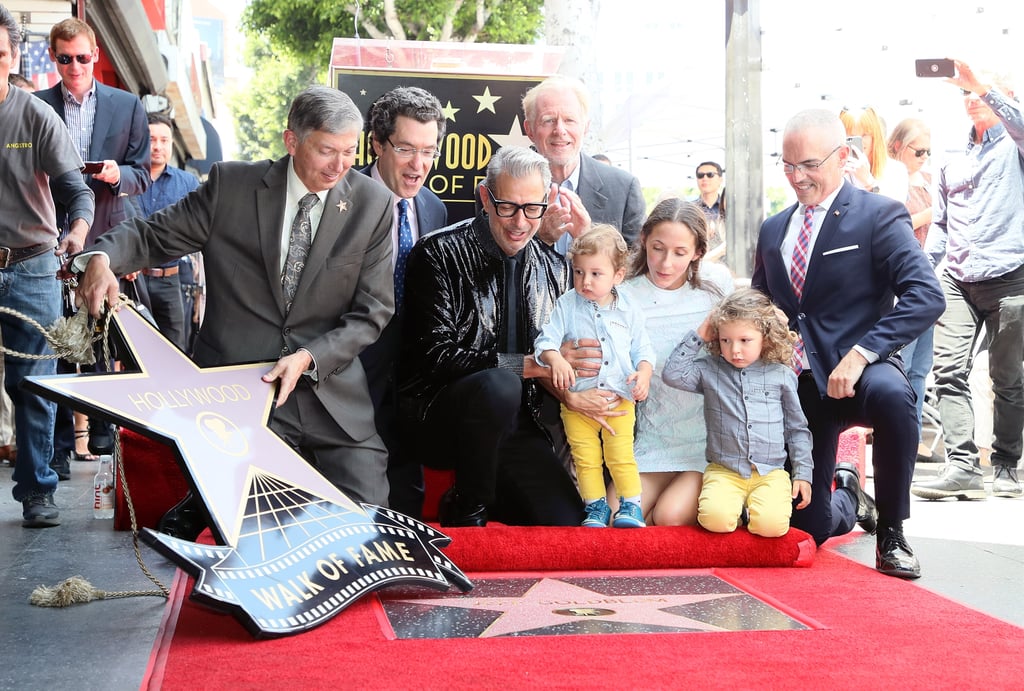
{"x":920,"y":152}
{"x":706,"y":175}
{"x":65,"y":59}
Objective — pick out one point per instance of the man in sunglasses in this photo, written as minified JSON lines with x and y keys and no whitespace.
{"x":108,"y":126}
{"x":978,"y":229}
{"x":711,"y":201}
{"x":476,"y":296}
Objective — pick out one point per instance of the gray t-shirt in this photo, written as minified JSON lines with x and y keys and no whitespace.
{"x":34,"y":147}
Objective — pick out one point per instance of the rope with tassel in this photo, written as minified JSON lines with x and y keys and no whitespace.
{"x":72,"y":339}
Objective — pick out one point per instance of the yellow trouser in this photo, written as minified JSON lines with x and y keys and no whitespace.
{"x":769,"y":501}
{"x":585,"y":437}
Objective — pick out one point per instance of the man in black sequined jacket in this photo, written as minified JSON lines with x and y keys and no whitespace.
{"x":477,"y":294}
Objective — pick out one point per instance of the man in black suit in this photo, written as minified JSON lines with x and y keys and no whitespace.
{"x":406,"y":127}
{"x":834,"y":262}
{"x":556,"y":118}
{"x":109,"y":126}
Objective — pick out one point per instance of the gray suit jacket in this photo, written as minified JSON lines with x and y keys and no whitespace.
{"x":345,"y":296}
{"x":612,"y":195}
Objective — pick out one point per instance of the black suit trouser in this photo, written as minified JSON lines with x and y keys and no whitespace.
{"x":884,"y":401}
{"x":479,"y":427}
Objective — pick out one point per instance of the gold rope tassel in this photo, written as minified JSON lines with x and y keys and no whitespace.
{"x":70,"y":591}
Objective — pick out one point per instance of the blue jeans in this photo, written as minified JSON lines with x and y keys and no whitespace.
{"x":917,"y":359}
{"x":31,"y":288}
{"x":998,"y":303}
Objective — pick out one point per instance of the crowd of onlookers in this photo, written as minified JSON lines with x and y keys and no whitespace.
{"x":573,"y":358}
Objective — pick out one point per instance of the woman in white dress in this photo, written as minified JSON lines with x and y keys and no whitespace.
{"x":677,"y":291}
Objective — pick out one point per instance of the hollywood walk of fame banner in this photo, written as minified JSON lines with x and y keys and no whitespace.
{"x":293,"y":551}
{"x":480,"y":87}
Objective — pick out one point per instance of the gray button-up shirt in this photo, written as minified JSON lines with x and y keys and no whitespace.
{"x":752,"y":414}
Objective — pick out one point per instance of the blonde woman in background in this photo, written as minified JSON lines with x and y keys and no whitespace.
{"x":869,"y":167}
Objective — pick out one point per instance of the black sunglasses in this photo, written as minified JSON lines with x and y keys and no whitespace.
{"x":920,"y":152}
{"x":65,"y":59}
{"x":707,"y":175}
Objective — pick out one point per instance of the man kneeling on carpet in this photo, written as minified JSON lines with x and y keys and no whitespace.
{"x":598,"y":309}
{"x":476,"y":296}
{"x":752,"y":412}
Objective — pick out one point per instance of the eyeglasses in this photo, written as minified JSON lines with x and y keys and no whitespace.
{"x":707,"y":175}
{"x":409,"y":152}
{"x":790,"y":168}
{"x":65,"y":59}
{"x":920,"y":152}
{"x":506,"y":209}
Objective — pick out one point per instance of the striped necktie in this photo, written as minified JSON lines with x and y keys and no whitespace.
{"x":798,"y":274}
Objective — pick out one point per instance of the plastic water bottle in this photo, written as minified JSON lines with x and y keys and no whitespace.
{"x":103,"y":489}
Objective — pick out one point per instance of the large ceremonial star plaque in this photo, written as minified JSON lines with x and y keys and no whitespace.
{"x":292,"y":550}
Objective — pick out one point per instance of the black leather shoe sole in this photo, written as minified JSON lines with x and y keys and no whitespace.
{"x":185,"y":520}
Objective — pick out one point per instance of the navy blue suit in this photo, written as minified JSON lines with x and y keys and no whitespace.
{"x":380,"y":362}
{"x":119,"y":133}
{"x":864,"y":255}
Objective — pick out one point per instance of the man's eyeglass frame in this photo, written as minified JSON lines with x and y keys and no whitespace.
{"x":536,"y":209}
{"x":790,"y":168}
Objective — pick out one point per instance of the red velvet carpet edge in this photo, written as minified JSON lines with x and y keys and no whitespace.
{"x":878,"y":632}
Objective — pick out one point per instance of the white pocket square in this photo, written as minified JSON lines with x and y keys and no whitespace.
{"x":837,"y":250}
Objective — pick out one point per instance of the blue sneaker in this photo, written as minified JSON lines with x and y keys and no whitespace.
{"x":598,"y":514}
{"x":629,"y":515}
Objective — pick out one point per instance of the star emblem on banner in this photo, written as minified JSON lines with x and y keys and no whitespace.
{"x":515,"y":136}
{"x":449,"y":111}
{"x":551,"y":602}
{"x":487,"y":101}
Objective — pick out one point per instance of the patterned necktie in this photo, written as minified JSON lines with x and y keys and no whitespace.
{"x":798,"y":273}
{"x":404,"y":245}
{"x":298,"y":249}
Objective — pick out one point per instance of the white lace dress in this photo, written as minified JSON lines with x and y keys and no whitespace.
{"x":670,"y":432}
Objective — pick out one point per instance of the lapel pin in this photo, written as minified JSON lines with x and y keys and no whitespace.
{"x":342,"y":206}
{"x":836,"y":212}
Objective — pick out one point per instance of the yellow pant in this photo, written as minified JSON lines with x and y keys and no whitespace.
{"x":585,"y":437}
{"x":768,"y":498}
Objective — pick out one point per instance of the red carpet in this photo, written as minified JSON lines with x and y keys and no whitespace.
{"x":875,"y":632}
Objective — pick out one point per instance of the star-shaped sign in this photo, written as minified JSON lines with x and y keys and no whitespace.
{"x":217,"y":417}
{"x":515,"y":136}
{"x":551,"y":602}
{"x":449,"y":111}
{"x":294,"y":549}
{"x":342,"y":206}
{"x":486,"y":101}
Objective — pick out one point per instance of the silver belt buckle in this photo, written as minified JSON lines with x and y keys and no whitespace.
{"x":5,"y":257}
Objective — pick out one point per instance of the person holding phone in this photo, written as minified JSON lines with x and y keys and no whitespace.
{"x":978,"y":229}
{"x":108,"y":126}
{"x":869,"y":166}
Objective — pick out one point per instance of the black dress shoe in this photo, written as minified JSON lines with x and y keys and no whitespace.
{"x":185,"y":520}
{"x":848,"y":478}
{"x":893,"y":556}
{"x":459,"y":511}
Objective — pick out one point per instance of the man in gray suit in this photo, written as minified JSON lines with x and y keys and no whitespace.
{"x":243,"y":219}
{"x":556,"y":118}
